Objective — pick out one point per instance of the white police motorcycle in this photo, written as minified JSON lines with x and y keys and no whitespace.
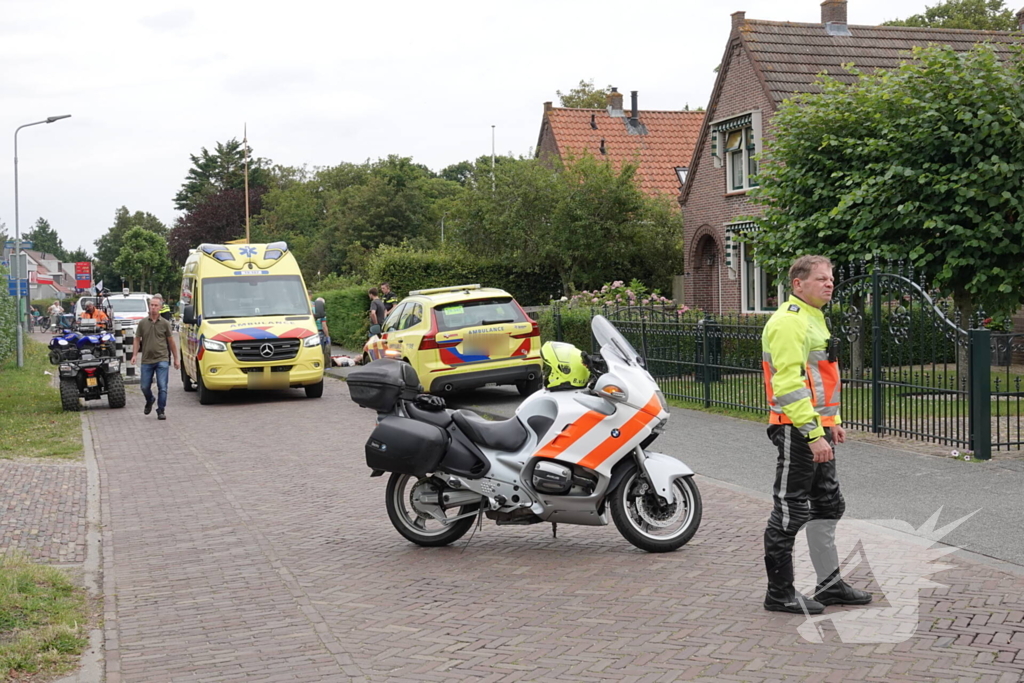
{"x":573,"y":454}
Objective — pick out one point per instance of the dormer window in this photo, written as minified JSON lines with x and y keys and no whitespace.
{"x":735,"y":144}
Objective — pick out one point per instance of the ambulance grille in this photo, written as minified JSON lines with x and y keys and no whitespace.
{"x":264,"y":350}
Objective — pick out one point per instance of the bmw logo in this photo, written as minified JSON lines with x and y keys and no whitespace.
{"x":615,"y":433}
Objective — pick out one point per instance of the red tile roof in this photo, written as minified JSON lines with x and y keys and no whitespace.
{"x":669,"y":142}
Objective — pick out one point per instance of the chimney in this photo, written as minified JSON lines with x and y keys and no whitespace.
{"x":737,"y":20}
{"x":634,"y":113}
{"x":603,"y":150}
{"x":615,"y":103}
{"x":593,"y":121}
{"x":547,"y":107}
{"x":833,"y":11}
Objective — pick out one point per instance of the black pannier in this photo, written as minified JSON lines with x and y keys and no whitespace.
{"x":406,"y":446}
{"x":381,"y":383}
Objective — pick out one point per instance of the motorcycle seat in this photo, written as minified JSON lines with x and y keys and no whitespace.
{"x":501,"y":435}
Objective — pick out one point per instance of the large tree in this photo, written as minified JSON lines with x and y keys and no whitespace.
{"x":222,"y":169}
{"x":79,"y":254}
{"x":144,"y":262}
{"x":584,"y":96}
{"x":45,"y":239}
{"x":108,"y":246}
{"x":219,"y":218}
{"x":982,"y":15}
{"x":924,"y":163}
{"x":585,"y":220}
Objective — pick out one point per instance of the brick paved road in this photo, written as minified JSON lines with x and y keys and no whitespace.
{"x":42,"y":509}
{"x":245,"y":541}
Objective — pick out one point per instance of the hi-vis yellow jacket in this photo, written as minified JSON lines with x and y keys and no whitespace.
{"x":802,"y":384}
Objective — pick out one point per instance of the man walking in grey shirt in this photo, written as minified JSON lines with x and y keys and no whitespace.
{"x":154,"y":347}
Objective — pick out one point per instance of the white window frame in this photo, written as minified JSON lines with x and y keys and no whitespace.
{"x":758,"y":277}
{"x":748,"y":126}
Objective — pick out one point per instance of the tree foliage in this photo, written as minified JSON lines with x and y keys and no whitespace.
{"x":584,"y":220}
{"x":222,"y":169}
{"x":219,"y":218}
{"x":108,"y":246}
{"x":143,"y":261}
{"x":46,"y":240}
{"x":337,"y":217}
{"x":79,"y":254}
{"x":924,"y":163}
{"x":980,"y":15}
{"x":584,"y":96}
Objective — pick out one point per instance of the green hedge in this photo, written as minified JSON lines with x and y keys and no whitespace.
{"x":8,"y":332}
{"x":407,"y":269}
{"x":348,"y":315}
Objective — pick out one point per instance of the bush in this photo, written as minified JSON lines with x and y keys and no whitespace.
{"x":348,"y":317}
{"x":619,"y":293}
{"x":8,"y":332}
{"x":574,"y":322}
{"x":407,"y":269}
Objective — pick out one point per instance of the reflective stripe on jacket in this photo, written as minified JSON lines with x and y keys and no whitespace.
{"x":802,"y":384}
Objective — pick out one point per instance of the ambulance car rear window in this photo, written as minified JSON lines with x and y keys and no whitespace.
{"x":493,"y":311}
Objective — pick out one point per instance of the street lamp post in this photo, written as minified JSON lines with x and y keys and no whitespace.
{"x":17,"y":239}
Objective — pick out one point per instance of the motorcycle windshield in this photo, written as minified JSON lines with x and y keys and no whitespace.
{"x":611,"y":341}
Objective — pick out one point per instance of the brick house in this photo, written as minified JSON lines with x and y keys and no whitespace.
{"x":660,"y":142}
{"x":764,"y":63}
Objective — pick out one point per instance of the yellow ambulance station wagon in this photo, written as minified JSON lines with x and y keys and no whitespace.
{"x":247,"y":322}
{"x":462,"y":337}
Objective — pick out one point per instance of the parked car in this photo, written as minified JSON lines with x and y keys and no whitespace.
{"x":129,"y":308}
{"x":462,"y":338}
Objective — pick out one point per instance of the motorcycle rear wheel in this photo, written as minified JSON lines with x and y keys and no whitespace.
{"x":644,"y":522}
{"x":421,"y":530}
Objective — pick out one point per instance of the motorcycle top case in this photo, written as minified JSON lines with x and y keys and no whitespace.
{"x":380,"y":384}
{"x":399,"y":444}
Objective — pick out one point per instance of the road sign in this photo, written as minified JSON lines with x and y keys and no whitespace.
{"x":25,"y":244}
{"x":13,"y":290}
{"x":19,"y":266}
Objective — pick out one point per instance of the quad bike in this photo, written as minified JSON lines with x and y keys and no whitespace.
{"x":88,"y":368}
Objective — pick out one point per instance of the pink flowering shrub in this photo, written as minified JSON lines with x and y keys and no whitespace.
{"x":618,"y":293}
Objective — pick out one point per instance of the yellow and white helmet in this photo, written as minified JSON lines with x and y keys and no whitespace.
{"x":563,"y":365}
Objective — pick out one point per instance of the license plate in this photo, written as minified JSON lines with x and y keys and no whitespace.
{"x":90,"y":381}
{"x":483,"y":345}
{"x":267,"y":380}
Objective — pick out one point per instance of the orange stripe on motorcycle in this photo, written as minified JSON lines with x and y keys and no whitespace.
{"x":597,"y":456}
{"x":570,"y":435}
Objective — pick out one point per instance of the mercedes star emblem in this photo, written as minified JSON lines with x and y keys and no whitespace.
{"x":266,"y":350}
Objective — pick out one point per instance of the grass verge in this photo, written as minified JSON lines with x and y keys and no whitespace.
{"x":43,"y":619}
{"x":32,"y":422}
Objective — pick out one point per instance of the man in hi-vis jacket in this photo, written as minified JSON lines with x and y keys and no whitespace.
{"x":801,"y":375}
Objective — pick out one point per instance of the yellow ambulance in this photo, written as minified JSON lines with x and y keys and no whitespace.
{"x":247,"y":322}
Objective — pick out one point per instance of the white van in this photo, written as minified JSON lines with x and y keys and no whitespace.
{"x":129,"y":308}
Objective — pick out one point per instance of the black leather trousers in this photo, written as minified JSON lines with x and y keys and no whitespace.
{"x":804,"y":492}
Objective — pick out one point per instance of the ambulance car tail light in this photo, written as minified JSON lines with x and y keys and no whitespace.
{"x":534,"y":332}
{"x":429,"y":340}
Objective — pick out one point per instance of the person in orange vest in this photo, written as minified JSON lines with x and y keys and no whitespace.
{"x":801,"y":378}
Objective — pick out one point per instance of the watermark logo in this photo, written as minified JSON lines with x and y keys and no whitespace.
{"x":899,"y":557}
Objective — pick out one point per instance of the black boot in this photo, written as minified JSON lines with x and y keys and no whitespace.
{"x":781,"y":595}
{"x":835,"y":591}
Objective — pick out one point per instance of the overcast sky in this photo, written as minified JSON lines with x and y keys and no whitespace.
{"x":320,"y":83}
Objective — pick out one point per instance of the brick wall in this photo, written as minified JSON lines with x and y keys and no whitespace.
{"x":708,"y":207}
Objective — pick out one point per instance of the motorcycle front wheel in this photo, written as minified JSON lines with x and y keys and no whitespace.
{"x":645,"y":522}
{"x":419,"y":528}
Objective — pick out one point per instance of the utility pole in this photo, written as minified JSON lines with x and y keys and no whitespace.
{"x":492,"y":159}
{"x":17,"y":242}
{"x":245,"y":151}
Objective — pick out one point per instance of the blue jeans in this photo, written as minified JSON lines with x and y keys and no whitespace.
{"x":146,"y":381}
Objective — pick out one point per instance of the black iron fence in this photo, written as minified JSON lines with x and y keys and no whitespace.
{"x":908,"y":370}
